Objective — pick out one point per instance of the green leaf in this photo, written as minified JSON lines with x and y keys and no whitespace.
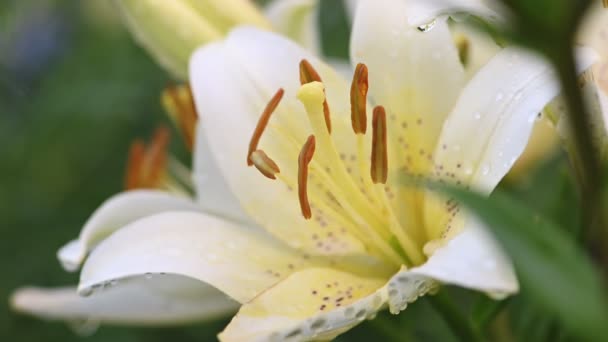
{"x":551,"y":268}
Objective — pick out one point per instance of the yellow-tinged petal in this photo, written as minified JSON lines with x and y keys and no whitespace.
{"x":152,"y":300}
{"x":115,"y":213}
{"x":313,"y":304}
{"x":240,"y":261}
{"x":172,"y":30}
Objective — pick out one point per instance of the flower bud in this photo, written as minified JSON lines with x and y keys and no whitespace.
{"x":172,"y":30}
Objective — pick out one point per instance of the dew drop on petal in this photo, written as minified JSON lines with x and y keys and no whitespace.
{"x":485,"y":170}
{"x":428,"y":26}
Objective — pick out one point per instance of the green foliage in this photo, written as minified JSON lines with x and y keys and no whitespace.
{"x":551,"y":267}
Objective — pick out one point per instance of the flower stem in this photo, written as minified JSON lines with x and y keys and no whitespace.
{"x":589,"y":170}
{"x":461,"y":326}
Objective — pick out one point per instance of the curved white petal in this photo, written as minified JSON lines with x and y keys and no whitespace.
{"x":238,"y":260}
{"x":313,"y":304}
{"x":297,"y":20}
{"x":472,"y":259}
{"x":489,"y":126}
{"x":422,"y":12}
{"x":114,"y":213}
{"x":234,"y":81}
{"x":159,"y":300}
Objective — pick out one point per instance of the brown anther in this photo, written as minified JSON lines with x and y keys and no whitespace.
{"x":463,"y":45}
{"x":358,"y":99}
{"x":308,"y":150}
{"x":179,"y":105}
{"x":605,"y":3}
{"x":147,"y":165}
{"x":379,"y":168}
{"x":264,"y":164}
{"x":309,"y":74}
{"x":263,"y":122}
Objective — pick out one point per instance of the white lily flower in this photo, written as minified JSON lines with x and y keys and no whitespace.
{"x":172,"y":30}
{"x":342,"y":236}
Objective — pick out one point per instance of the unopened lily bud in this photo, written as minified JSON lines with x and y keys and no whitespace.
{"x":172,"y":30}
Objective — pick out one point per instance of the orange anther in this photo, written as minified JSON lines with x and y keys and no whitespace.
{"x":358,"y":99}
{"x":148,"y":164}
{"x":263,"y":122}
{"x":264,"y":164}
{"x":179,"y":104}
{"x":306,"y":154}
{"x":309,"y":74}
{"x":379,"y":167}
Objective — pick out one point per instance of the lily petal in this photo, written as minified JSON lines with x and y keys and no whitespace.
{"x":489,"y":126}
{"x":233,"y":81}
{"x":472,"y":259}
{"x":422,"y":12}
{"x":159,"y":300}
{"x":313,"y":304}
{"x":238,"y":260}
{"x":115,"y":213}
{"x":297,"y":20}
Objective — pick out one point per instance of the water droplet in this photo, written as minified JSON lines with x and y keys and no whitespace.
{"x":499,"y":97}
{"x":428,"y":26}
{"x":148,"y":275}
{"x":113,"y":282}
{"x":485,"y":170}
{"x":477,"y":116}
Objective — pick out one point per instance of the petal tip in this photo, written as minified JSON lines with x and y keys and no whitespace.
{"x":71,"y":255}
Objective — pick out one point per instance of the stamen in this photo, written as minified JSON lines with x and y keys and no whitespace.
{"x":179,"y":105}
{"x":379,"y":168}
{"x":135,"y":163}
{"x":308,"y":150}
{"x":264,"y":164}
{"x":263,"y":122}
{"x":358,"y":99}
{"x":308,"y":74}
{"x":605,"y":3}
{"x":147,"y":166}
{"x":157,"y":155}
